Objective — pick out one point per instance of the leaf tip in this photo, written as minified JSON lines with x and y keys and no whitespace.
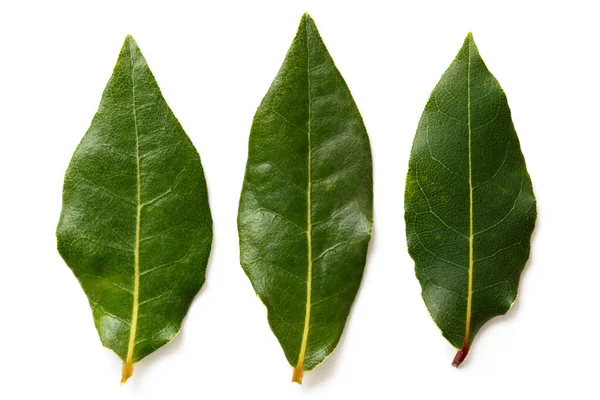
{"x":298,"y":375}
{"x":306,"y":18}
{"x":126,"y":372}
{"x":129,"y":38}
{"x":130,"y":41}
{"x":469,"y":40}
{"x":469,"y":47}
{"x":460,"y":356}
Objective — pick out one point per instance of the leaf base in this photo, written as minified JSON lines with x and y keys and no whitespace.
{"x":298,"y":375}
{"x":126,"y":372}
{"x":460,"y":356}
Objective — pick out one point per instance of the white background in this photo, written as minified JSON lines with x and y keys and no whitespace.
{"x":214,"y":62}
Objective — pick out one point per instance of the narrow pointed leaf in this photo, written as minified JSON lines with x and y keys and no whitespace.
{"x":305,"y":214}
{"x":469,"y":205}
{"x":135,"y":227}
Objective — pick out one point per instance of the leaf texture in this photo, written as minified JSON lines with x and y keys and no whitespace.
{"x":135,"y":227}
{"x":305,"y":215}
{"x":469,"y":203}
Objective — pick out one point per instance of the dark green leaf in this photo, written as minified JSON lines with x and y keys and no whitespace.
{"x":305,"y":214}
{"x":135,"y":226}
{"x":470,"y":208}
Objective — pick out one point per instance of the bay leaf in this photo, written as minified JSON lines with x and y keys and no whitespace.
{"x":469,"y":204}
{"x":135,"y":226}
{"x":305,"y":215}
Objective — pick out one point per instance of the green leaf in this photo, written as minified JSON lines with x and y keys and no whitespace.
{"x":135,"y":227}
{"x":305,"y":215}
{"x":469,"y":204}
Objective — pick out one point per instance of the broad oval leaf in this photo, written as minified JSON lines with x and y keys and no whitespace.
{"x":305,"y":215}
{"x":135,"y":226}
{"x":469,"y":204}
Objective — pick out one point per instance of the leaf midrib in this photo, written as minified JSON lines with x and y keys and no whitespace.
{"x":299,"y":370}
{"x":128,"y":366}
{"x":471,"y":235}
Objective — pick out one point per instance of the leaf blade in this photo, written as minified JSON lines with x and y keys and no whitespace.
{"x":137,"y":234}
{"x":467,"y":167}
{"x":304,"y":137}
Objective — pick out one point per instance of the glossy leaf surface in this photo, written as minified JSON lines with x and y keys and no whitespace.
{"x":305,"y":215}
{"x":135,"y":227}
{"x":469,"y":205}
